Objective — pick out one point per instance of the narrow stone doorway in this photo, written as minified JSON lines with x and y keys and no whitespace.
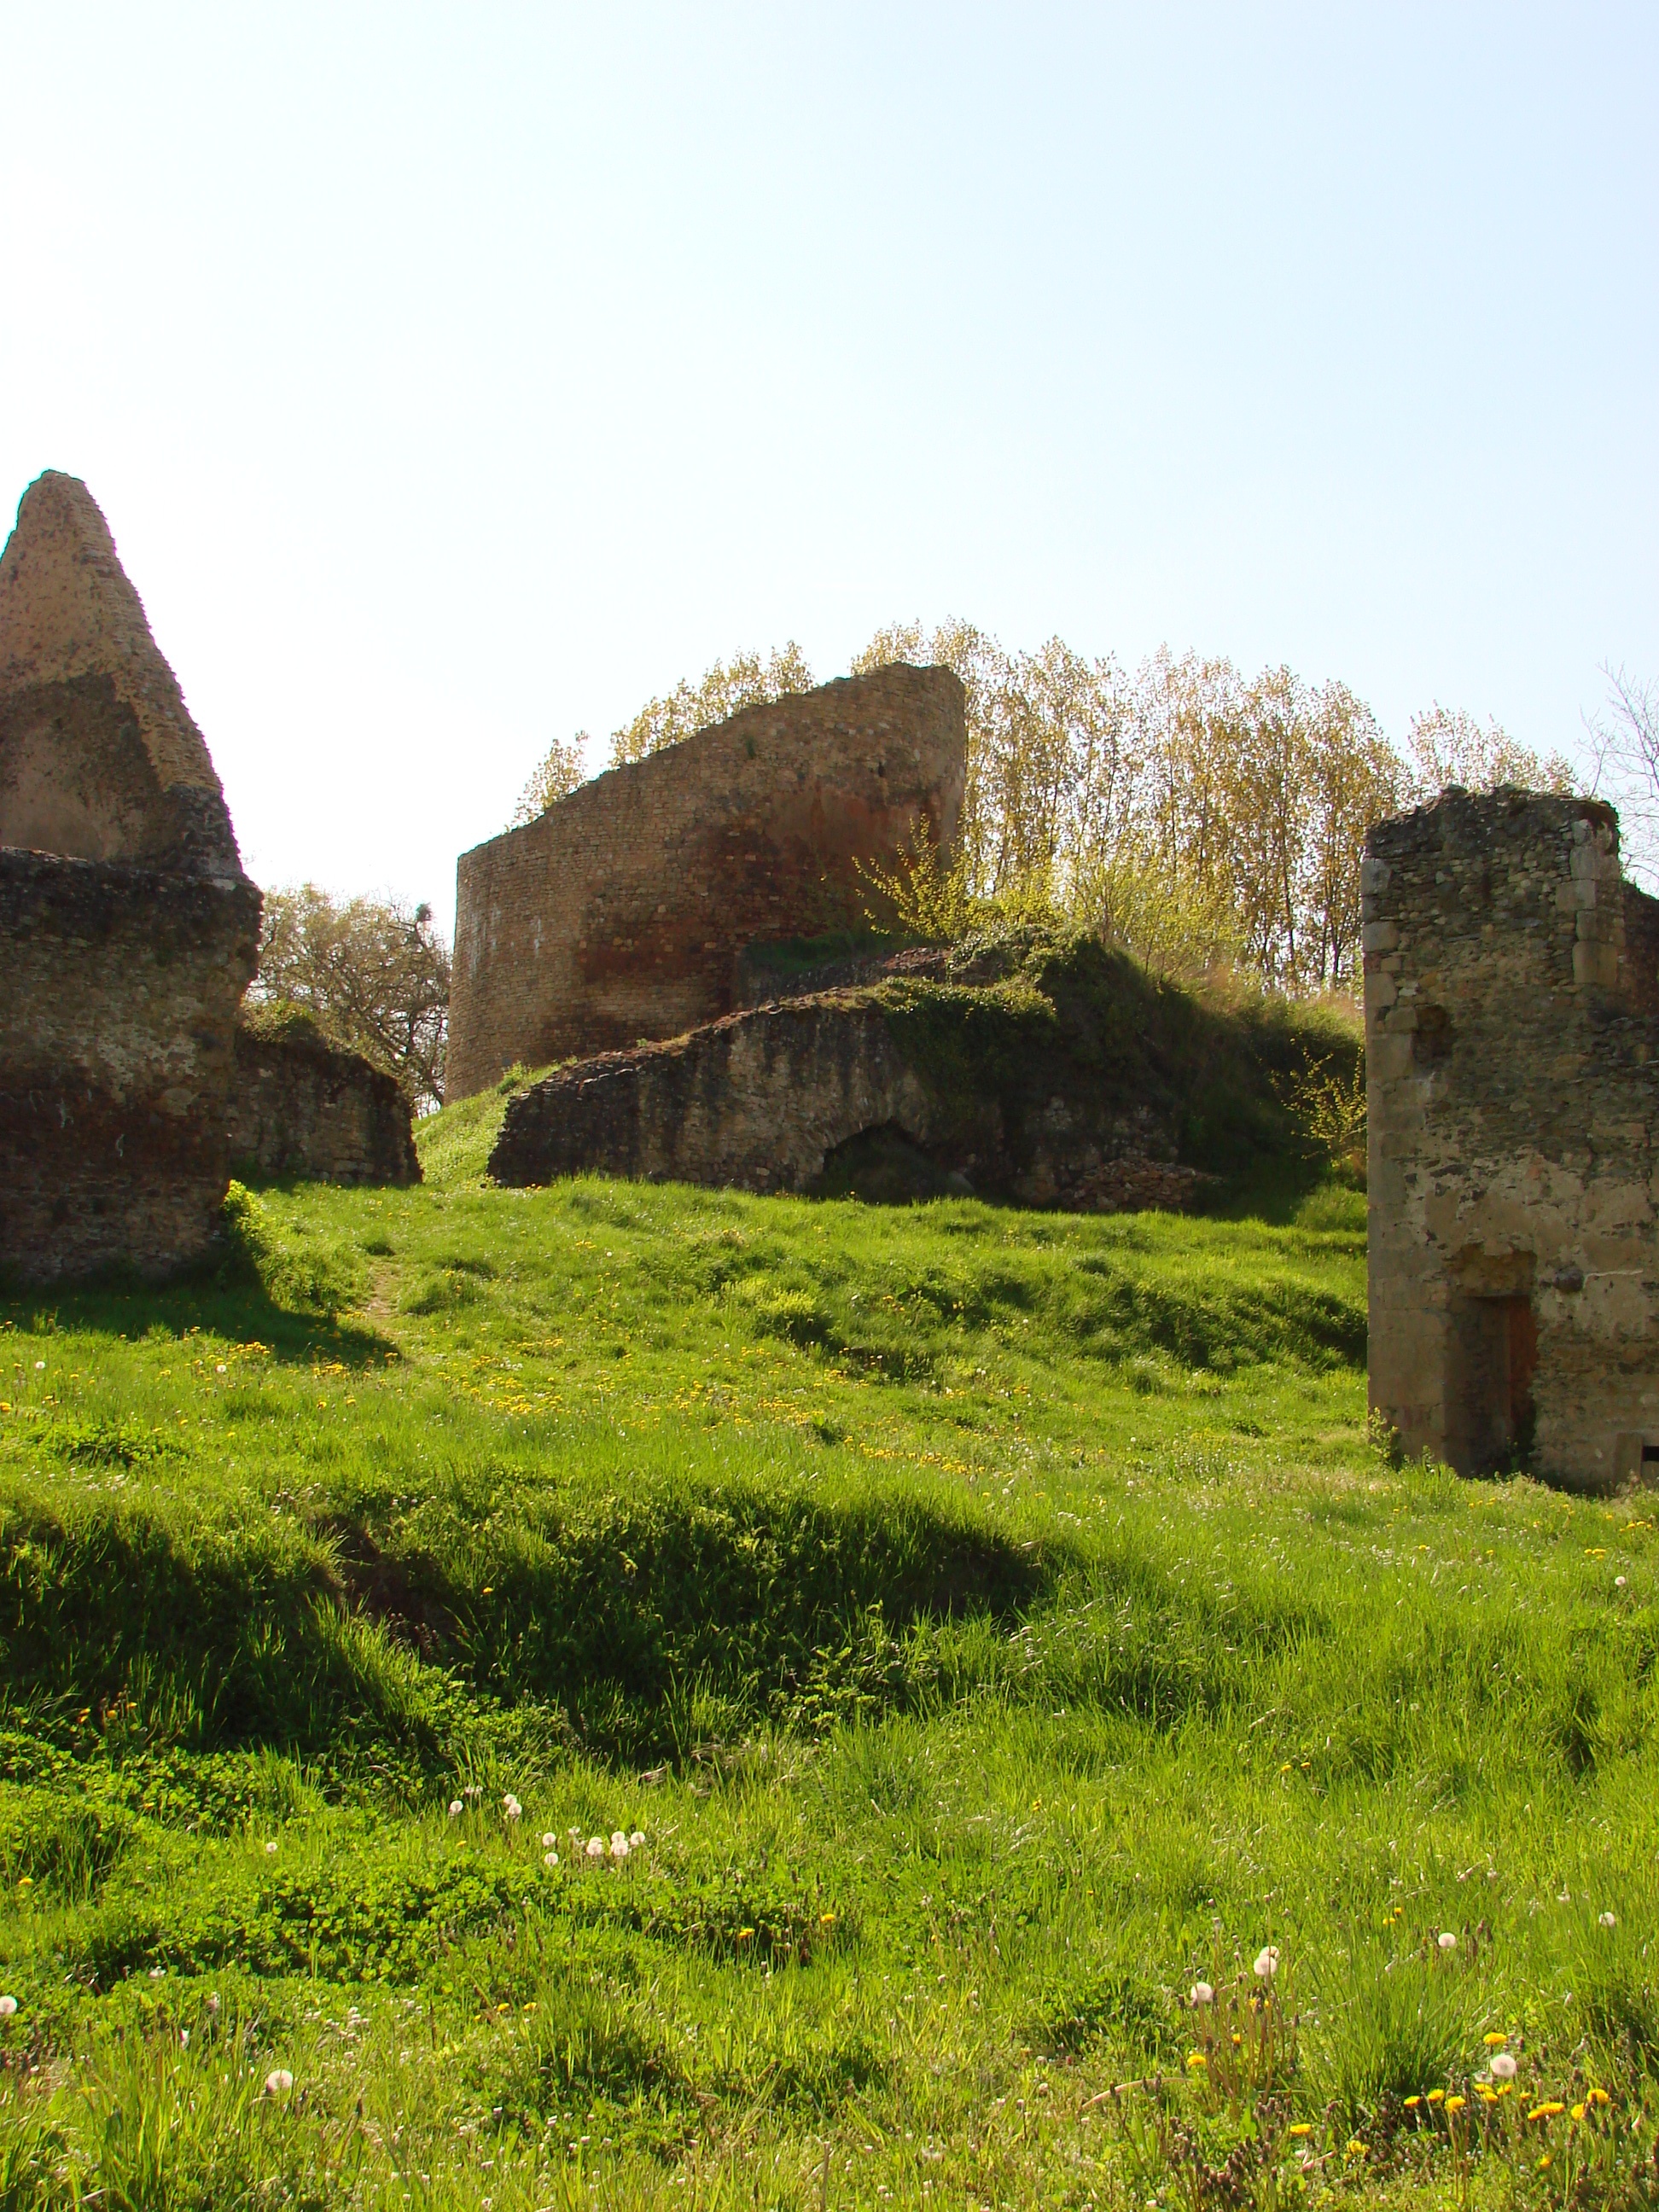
{"x":1495,"y":1348}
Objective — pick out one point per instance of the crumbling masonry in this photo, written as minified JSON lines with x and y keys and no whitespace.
{"x":623,"y":912}
{"x":1512,"y":1032}
{"x":128,"y":931}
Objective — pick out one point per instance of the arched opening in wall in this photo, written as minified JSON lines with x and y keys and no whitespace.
{"x":1490,"y":1415}
{"x":885,"y":1166}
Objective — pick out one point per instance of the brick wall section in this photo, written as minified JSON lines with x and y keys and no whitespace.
{"x":620,"y":913}
{"x":306,"y":1108}
{"x":116,"y":1018}
{"x":128,"y":931}
{"x":759,"y":1099}
{"x":1513,"y":1092}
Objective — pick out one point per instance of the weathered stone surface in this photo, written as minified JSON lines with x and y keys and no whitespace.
{"x":128,"y":931}
{"x":305,"y":1107}
{"x":621,"y":913}
{"x":99,"y":757}
{"x":1511,"y":986}
{"x":761,"y":1099}
{"x":120,"y":1001}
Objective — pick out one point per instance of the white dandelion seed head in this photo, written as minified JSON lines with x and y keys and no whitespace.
{"x":636,"y":1841}
{"x":575,"y":1835}
{"x":511,"y":1806}
{"x":1266,"y":1962}
{"x":617,"y":1836}
{"x":596,"y":1847}
{"x":1446,"y":1940}
{"x":278,"y":2081}
{"x":213,"y":2002}
{"x":473,"y":1790}
{"x":8,"y":2006}
{"x":1203,"y":1994}
{"x":39,"y":1366}
{"x":221,"y":1369}
{"x":454,"y":1808}
{"x":1609,"y":1919}
{"x":1619,"y":1581}
{"x":619,"y":1848}
{"x":549,"y":1858}
{"x":1503,"y":2068}
{"x":270,"y":1849}
{"x":156,"y":1973}
{"x":549,"y":1840}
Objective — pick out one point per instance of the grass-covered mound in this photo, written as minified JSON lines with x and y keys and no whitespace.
{"x":993,"y":1623}
{"x":1030,"y":1015}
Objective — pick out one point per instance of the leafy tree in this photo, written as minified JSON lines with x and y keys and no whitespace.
{"x":1196,"y":816}
{"x":373,"y":972}
{"x":561,"y":769}
{"x":745,"y":680}
{"x":1443,"y":747}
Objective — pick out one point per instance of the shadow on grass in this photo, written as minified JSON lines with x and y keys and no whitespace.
{"x":241,"y":1310}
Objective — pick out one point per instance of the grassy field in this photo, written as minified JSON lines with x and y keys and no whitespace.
{"x":986,"y":1626}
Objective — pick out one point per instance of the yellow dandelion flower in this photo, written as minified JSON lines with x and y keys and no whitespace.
{"x":1546,"y":2111}
{"x":1577,"y":2112}
{"x":1494,"y":2041}
{"x":1412,"y":2103}
{"x":1436,"y":2096}
{"x":1597,"y":2097}
{"x":1196,"y":2058}
{"x":1301,"y":2128}
{"x":1455,"y":2104}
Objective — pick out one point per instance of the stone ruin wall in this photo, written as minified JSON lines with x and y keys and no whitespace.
{"x":1512,"y":1035}
{"x":128,"y":931}
{"x":304,"y":1107}
{"x":761,"y":1099}
{"x":621,"y":913}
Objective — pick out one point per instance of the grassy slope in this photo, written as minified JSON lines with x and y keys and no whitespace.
{"x":994,"y":1622}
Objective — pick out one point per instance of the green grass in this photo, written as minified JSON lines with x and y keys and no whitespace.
{"x":994,"y":1622}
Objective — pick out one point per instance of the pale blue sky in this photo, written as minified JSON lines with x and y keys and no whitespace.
{"x":454,"y":377}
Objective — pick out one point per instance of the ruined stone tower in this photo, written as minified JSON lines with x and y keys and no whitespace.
{"x":1512,"y":1037}
{"x":128,"y":931}
{"x":622,"y":912}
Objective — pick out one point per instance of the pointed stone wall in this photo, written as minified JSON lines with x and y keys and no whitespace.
{"x":128,"y":931}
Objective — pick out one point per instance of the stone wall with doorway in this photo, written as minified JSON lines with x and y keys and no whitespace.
{"x":1512,"y":1037}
